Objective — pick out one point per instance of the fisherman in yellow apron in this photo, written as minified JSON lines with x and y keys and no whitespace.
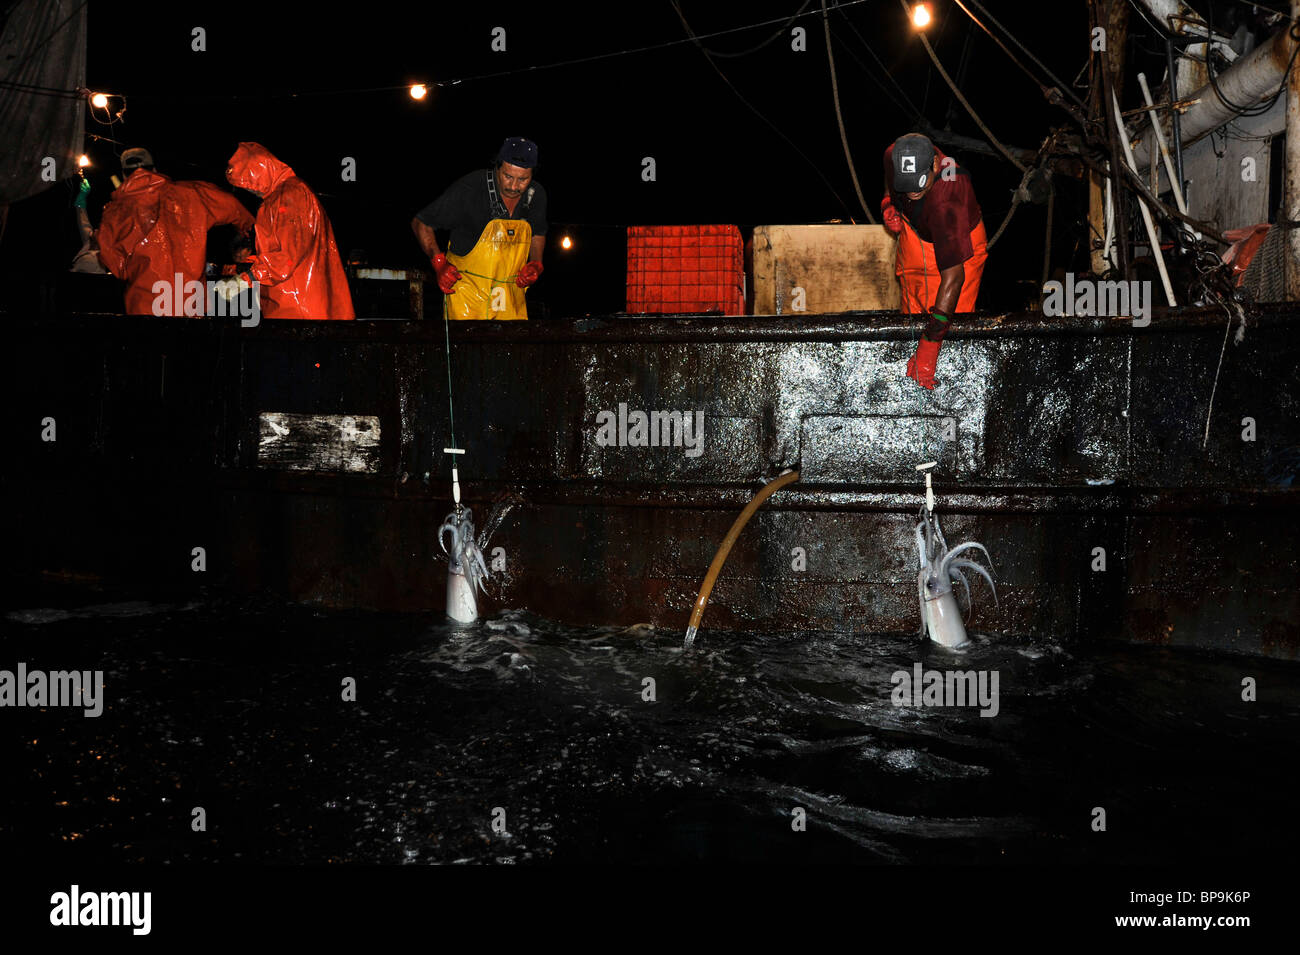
{"x":497,"y":221}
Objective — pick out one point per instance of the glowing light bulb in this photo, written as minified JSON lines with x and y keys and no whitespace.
{"x":419,"y":91}
{"x":921,"y":16}
{"x":99,"y":101}
{"x":83,"y":160}
{"x":566,"y":243}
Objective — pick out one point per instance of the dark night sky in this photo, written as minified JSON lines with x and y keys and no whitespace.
{"x":593,"y":121}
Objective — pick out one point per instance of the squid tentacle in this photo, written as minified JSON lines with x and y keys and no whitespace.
{"x":970,"y":604}
{"x":455,"y":538}
{"x":970,"y":564}
{"x":920,"y":593}
{"x":960,"y":548}
{"x":943,"y":544}
{"x":475,"y":566}
{"x":464,"y":556}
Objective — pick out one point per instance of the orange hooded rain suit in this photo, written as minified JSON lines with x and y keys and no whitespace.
{"x":297,"y":260}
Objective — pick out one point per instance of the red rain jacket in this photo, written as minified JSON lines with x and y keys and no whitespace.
{"x":297,"y":261}
{"x":154,"y":228}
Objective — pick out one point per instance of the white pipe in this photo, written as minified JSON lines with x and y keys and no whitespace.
{"x":1108,"y":248}
{"x":1164,"y":150}
{"x":1146,"y":213}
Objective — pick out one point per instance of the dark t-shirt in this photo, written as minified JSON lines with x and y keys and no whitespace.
{"x":465,"y":208}
{"x":944,"y":216}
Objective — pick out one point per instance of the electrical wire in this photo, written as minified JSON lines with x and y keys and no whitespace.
{"x":1024,"y":49}
{"x":916,"y":112}
{"x":839,"y":117}
{"x":1012,"y":56}
{"x":1240,"y":136}
{"x":965,"y":103}
{"x":908,"y":108}
{"x":500,"y":74}
{"x":775,"y":36}
{"x":753,"y":109}
{"x":262,"y":95}
{"x":1162,"y":29}
{"x":34,"y":90}
{"x":1258,"y":109}
{"x":104,"y":139}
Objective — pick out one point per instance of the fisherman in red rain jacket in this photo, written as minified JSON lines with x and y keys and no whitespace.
{"x":154,"y":228}
{"x":930,"y":205}
{"x":297,"y":260}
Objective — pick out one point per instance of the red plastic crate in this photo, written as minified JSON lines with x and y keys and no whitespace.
{"x":685,"y":268}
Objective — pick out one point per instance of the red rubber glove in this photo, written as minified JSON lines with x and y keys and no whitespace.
{"x":921,"y":366}
{"x":893,"y":221}
{"x":530,"y":273}
{"x":447,"y":274}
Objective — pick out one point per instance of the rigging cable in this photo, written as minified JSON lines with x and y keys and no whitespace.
{"x":965,"y":103}
{"x":839,"y":116}
{"x":906,"y":108}
{"x":753,"y":109}
{"x":974,"y":3}
{"x":916,"y":112}
{"x":754,"y":49}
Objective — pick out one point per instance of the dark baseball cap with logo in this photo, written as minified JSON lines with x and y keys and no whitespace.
{"x":913,"y":159}
{"x":518,"y":151}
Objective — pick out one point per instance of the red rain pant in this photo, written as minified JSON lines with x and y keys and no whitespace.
{"x":918,"y":271}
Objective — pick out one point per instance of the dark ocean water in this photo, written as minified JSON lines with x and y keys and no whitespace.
{"x":236,"y":707}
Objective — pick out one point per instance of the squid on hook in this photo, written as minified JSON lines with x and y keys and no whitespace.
{"x":466,"y":569}
{"x":940,"y":569}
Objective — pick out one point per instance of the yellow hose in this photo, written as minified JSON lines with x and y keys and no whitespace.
{"x":720,"y":557}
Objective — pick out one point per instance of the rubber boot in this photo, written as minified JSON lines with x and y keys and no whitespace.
{"x":921,"y":365}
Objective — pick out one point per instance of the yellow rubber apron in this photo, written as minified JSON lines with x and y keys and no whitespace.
{"x":487,"y":288}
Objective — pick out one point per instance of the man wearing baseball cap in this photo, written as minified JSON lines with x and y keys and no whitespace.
{"x":930,"y":205}
{"x":497,"y":223}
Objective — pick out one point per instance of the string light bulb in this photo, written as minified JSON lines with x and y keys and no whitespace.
{"x":566,"y":242}
{"x":99,"y":101}
{"x":83,"y":160}
{"x":921,"y":17}
{"x":419,"y":91}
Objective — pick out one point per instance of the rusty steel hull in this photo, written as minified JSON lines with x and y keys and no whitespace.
{"x":1057,"y":440}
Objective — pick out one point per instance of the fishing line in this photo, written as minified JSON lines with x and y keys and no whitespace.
{"x":451,"y":410}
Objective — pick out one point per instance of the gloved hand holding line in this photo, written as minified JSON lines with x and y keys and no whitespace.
{"x":448,"y":274}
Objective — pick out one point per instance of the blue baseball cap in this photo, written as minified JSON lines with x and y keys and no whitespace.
{"x":518,"y":151}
